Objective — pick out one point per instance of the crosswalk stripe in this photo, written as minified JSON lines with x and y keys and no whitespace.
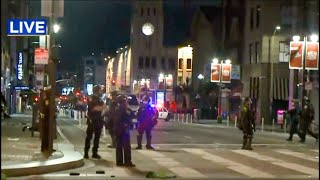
{"x":278,"y":162}
{"x":174,"y":166}
{"x":240,"y":168}
{"x":297,"y":155}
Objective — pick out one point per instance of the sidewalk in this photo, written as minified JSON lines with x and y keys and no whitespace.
{"x":20,"y":153}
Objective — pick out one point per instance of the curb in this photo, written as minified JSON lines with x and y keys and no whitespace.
{"x":70,"y":160}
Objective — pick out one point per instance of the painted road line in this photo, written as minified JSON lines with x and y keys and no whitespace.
{"x":278,"y":162}
{"x":235,"y":166}
{"x":174,"y":166}
{"x":63,"y":136}
{"x":297,"y":155}
{"x":188,"y":137}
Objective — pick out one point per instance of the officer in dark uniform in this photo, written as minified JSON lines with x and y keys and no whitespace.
{"x":307,"y":116}
{"x":294,"y":120}
{"x":247,"y":123}
{"x":110,"y":118}
{"x":147,"y":117}
{"x":121,"y":126}
{"x":95,"y":122}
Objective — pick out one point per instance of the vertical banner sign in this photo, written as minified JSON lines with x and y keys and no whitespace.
{"x":296,"y":53}
{"x":312,"y":56}
{"x":19,"y":66}
{"x":41,"y":56}
{"x":226,"y":73}
{"x":215,"y":72}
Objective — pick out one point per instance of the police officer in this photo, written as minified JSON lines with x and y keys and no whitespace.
{"x":307,"y":116}
{"x":247,"y":123}
{"x":110,"y":118}
{"x":147,"y":118}
{"x":95,"y":122}
{"x":294,"y":119}
{"x":121,"y":126}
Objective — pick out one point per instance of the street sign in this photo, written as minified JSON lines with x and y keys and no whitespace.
{"x":296,"y":53}
{"x":41,"y":56}
{"x":226,"y":73}
{"x":312,"y":56}
{"x":215,"y":72}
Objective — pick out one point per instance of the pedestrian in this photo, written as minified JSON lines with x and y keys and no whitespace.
{"x":307,"y":116}
{"x":4,"y":107}
{"x":95,"y":122}
{"x":121,"y":127}
{"x":247,"y":123}
{"x":147,"y":118}
{"x":294,"y":119}
{"x":110,"y":114}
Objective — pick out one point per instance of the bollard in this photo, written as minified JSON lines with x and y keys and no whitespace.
{"x":80,"y":121}
{"x":178,"y":117}
{"x":228,"y":121}
{"x":191,"y":119}
{"x":272,"y":125}
{"x":104,"y":132}
{"x":187,"y":118}
{"x":285,"y":125}
{"x":262,"y":124}
{"x":174,"y":117}
{"x":75,"y":114}
{"x":182,"y":117}
{"x":235,"y":121}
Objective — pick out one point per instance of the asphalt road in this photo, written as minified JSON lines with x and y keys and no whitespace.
{"x":200,"y":151}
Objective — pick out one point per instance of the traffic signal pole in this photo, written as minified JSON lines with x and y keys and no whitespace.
{"x":52,"y":82}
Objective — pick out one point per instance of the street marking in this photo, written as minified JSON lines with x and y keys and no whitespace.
{"x":188,"y":137}
{"x":315,"y":150}
{"x":297,"y":155}
{"x":278,"y":162}
{"x":240,"y":168}
{"x":174,"y":166}
{"x":165,"y":132}
{"x":63,"y":136}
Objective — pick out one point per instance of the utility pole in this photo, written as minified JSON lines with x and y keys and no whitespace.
{"x":52,"y":81}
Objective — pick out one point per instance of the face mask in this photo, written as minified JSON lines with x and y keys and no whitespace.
{"x":145,"y":102}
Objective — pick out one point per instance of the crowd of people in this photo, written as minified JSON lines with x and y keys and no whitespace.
{"x":116,"y":116}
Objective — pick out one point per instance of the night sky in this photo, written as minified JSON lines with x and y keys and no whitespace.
{"x":102,"y":26}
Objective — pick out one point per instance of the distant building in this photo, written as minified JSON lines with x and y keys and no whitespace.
{"x":94,"y":72}
{"x":138,"y":66}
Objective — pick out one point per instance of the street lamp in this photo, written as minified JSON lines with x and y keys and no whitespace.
{"x":56,"y":28}
{"x":223,"y":70}
{"x":308,"y":55}
{"x":272,"y":67}
{"x":200,"y":77}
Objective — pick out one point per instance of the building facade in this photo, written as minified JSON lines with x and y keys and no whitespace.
{"x":94,"y":72}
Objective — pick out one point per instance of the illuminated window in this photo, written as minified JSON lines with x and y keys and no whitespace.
{"x":284,"y":52}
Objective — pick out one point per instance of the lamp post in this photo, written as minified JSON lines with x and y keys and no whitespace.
{"x":272,"y":68}
{"x":223,"y":70}
{"x":306,"y":56}
{"x":200,"y":77}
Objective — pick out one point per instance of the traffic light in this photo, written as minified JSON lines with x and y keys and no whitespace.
{"x":113,"y":82}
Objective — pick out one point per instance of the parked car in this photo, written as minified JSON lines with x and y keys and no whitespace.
{"x":164,"y":113}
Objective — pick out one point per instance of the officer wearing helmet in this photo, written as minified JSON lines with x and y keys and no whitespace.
{"x":147,"y":118}
{"x":307,"y":116}
{"x":121,"y":126}
{"x":95,"y":122}
{"x":247,"y":123}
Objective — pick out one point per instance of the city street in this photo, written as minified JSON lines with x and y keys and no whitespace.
{"x":199,"y":151}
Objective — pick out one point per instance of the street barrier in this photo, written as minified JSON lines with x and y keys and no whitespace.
{"x":191,"y":119}
{"x":187,"y":118}
{"x":104,"y":132}
{"x":235,"y":121}
{"x":228,"y":121}
{"x":262,"y":124}
{"x":178,"y":117}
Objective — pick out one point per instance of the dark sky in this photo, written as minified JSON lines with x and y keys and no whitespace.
{"x":102,"y":26}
